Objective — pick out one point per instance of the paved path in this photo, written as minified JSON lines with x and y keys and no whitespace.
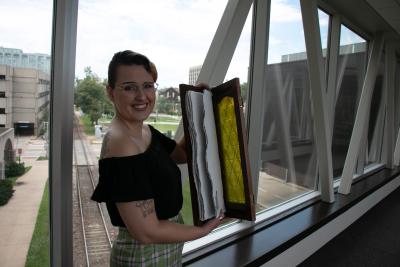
{"x":18,"y":216}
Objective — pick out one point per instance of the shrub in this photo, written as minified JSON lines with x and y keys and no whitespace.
{"x":6,"y":191}
{"x":14,"y":169}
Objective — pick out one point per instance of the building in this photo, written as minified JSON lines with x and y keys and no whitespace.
{"x":169,"y":100}
{"x":17,"y":58}
{"x":194,"y":72}
{"x":170,"y":93}
{"x":24,"y":99}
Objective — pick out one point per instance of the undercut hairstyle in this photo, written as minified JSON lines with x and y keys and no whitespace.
{"x":129,"y":58}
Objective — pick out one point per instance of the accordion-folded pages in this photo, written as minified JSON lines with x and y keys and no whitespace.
{"x":216,"y":146}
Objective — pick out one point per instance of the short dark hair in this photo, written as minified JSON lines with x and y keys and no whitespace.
{"x":128,"y":58}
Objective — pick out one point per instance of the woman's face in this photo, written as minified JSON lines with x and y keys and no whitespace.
{"x":134,"y":94}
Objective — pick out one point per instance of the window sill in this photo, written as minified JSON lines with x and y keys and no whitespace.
{"x":259,"y":244}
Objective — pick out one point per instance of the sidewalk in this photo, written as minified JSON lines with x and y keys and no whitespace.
{"x":18,"y":216}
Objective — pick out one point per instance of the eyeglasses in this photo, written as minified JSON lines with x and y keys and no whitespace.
{"x":133,"y":88}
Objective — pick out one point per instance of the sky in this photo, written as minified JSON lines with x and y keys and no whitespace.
{"x":174,"y":34}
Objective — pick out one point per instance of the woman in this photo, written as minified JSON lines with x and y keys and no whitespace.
{"x":139,"y":179}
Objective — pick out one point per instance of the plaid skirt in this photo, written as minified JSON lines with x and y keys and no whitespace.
{"x":127,"y":251}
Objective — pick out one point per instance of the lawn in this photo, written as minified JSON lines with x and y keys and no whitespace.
{"x":187,"y":203}
{"x":88,"y":127}
{"x":38,"y":254}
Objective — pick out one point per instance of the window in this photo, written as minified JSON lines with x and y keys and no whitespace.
{"x":288,"y":157}
{"x":350,"y":77}
{"x":33,"y":36}
{"x":376,"y":118}
{"x":397,"y":98}
{"x":184,"y":36}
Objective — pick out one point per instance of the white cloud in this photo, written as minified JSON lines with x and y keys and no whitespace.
{"x":285,"y":11}
{"x":175,"y":34}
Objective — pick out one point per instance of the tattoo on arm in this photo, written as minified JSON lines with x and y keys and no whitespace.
{"x":146,"y":206}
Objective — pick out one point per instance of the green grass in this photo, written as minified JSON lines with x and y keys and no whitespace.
{"x":42,"y":158}
{"x":88,"y":127}
{"x":38,"y":254}
{"x":163,"y":119}
{"x":187,"y":203}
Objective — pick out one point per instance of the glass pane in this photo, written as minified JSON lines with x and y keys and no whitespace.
{"x":288,"y":155}
{"x":174,"y":35}
{"x":397,"y":99}
{"x":239,"y":66}
{"x":24,"y":118}
{"x":350,"y":77}
{"x":324,"y":29}
{"x":376,"y":117}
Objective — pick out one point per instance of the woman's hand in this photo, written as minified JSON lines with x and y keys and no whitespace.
{"x":212,"y":224}
{"x":202,"y":85}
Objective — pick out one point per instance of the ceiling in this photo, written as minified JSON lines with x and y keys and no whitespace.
{"x":389,"y":10}
{"x":367,"y":17}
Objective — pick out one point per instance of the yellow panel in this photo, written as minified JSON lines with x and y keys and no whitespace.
{"x":231,"y":153}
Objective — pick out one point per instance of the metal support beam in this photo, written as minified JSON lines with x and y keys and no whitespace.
{"x":258,"y":62}
{"x":61,"y":126}
{"x":223,"y":45}
{"x":333,"y":56}
{"x":390,"y":72}
{"x":361,"y":117}
{"x":316,"y":67}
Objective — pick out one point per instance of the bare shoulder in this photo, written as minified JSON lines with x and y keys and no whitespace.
{"x":116,"y":144}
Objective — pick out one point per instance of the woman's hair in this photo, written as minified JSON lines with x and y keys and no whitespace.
{"x":128,"y":58}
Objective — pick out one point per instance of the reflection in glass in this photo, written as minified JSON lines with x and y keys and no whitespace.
{"x":376,"y":118}
{"x":397,"y":100}
{"x":288,"y":157}
{"x":350,"y":77}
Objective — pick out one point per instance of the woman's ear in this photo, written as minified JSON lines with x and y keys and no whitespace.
{"x":110,"y":93}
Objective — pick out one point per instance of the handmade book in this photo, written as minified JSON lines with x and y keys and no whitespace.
{"x":216,"y":144}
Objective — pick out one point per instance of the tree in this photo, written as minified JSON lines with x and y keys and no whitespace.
{"x":165,"y":106}
{"x":244,"y":88}
{"x":91,"y":97}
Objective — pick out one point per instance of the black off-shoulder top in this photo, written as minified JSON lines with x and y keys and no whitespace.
{"x":149,"y":175}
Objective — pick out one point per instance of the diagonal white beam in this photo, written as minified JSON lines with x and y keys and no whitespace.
{"x":318,"y":97}
{"x":333,"y":56}
{"x":361,"y":117}
{"x":223,"y":45}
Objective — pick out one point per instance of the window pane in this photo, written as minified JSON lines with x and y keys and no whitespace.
{"x":350,"y":77}
{"x":397,"y":99}
{"x":24,"y":118}
{"x":239,"y":66}
{"x":175,"y":35}
{"x":376,"y":117}
{"x":288,"y":149}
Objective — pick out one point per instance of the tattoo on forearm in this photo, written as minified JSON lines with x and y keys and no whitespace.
{"x":146,"y":206}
